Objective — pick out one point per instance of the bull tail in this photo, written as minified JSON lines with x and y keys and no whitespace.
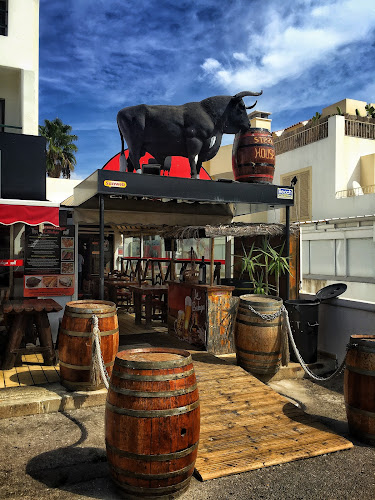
{"x":123,"y":163}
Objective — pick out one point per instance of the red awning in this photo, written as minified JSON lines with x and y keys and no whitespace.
{"x":28,"y":212}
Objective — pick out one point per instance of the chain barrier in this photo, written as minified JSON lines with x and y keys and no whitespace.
{"x":98,"y":364}
{"x":283,"y":311}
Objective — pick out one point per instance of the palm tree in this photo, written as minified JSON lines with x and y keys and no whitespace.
{"x":60,"y":148}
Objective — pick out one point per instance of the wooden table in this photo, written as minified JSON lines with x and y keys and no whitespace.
{"x":150,"y":292}
{"x":24,"y":312}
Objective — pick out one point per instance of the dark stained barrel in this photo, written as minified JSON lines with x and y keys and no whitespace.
{"x":75,"y":342}
{"x":152,"y":422}
{"x":359,"y":387}
{"x":258,"y":341}
{"x":253,"y":156}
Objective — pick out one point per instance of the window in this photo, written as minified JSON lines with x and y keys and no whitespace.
{"x":301,"y":211}
{"x":4,"y":17}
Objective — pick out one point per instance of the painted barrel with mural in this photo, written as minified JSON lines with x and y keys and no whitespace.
{"x":258,"y":340}
{"x":152,"y":422}
{"x":253,"y":156}
{"x":359,"y":387}
{"x":75,"y":342}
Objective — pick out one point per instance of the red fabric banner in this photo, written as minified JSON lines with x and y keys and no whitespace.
{"x":29,"y":214}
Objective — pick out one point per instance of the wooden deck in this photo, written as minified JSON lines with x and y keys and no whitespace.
{"x":32,"y":372}
{"x":246,"y":425}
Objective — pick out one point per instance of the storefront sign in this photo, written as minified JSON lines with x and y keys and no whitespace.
{"x":11,"y":263}
{"x":49,"y":261}
{"x":115,"y":184}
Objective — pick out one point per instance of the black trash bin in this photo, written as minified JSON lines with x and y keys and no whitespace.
{"x":304,"y":321}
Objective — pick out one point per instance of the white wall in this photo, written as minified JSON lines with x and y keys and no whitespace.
{"x":335,"y":163}
{"x":20,"y":50}
{"x":339,"y":319}
{"x":58,"y":190}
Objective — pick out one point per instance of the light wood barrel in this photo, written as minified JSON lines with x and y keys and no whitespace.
{"x":152,"y":422}
{"x":359,"y":387}
{"x":258,"y":341}
{"x":75,"y":341}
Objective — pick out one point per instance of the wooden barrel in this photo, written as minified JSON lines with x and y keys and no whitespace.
{"x":152,"y":421}
{"x":359,"y":387}
{"x":253,"y":156}
{"x":75,"y":343}
{"x":258,"y":341}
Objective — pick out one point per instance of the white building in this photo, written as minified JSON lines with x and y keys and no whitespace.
{"x":19,"y":66}
{"x":333,"y":160}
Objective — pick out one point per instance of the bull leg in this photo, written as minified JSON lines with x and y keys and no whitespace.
{"x":193,"y":146}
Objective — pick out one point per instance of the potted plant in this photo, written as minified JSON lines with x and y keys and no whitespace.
{"x":258,"y":264}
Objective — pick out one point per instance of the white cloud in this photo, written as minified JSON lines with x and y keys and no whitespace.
{"x":210,"y":65}
{"x":240,"y":56}
{"x":291,"y":44}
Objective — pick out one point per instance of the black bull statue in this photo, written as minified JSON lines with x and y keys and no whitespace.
{"x":193,"y":130}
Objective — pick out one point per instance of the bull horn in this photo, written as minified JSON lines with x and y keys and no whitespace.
{"x":250,"y":107}
{"x":245,"y":93}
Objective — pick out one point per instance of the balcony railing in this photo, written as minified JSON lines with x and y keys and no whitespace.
{"x":301,"y":138}
{"x":359,"y":191}
{"x":362,"y":129}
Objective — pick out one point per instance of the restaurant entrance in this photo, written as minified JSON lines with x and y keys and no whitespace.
{"x":88,"y":247}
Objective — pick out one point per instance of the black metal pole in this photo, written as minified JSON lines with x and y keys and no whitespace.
{"x":101,"y":247}
{"x":287,"y":244}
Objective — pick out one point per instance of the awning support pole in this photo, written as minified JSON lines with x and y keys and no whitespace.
{"x":212,"y":261}
{"x":287,"y":245}
{"x":101,"y":247}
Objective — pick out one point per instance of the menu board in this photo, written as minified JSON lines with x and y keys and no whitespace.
{"x":49,"y":261}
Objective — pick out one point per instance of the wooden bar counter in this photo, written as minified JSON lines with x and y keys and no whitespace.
{"x":203,"y":315}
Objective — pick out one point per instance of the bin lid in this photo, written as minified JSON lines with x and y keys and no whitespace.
{"x":331,"y":291}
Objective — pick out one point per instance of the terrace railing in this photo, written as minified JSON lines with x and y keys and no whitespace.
{"x":358,"y":128}
{"x":359,"y":191}
{"x":301,"y":138}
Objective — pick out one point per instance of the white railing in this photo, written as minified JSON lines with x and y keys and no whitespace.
{"x":359,"y":191}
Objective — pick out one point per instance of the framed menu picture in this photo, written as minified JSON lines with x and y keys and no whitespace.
{"x":49,"y":261}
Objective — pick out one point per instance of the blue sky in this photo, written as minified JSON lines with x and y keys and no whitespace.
{"x":98,"y":56}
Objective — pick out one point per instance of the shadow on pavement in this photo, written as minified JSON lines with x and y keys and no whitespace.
{"x":66,"y":468}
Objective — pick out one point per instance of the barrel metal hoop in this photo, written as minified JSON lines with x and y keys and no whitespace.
{"x":153,"y":491}
{"x":72,"y":333}
{"x":166,"y":457}
{"x":154,"y":365}
{"x":362,"y":348}
{"x":152,"y":378}
{"x":161,"y":394}
{"x":260,"y":308}
{"x":81,"y":367}
{"x":366,"y":413}
{"x":102,"y":308}
{"x":89,"y":315}
{"x":253,"y":323}
{"x":258,"y":353}
{"x":370,"y":373}
{"x":150,"y":477}
{"x":153,"y":413}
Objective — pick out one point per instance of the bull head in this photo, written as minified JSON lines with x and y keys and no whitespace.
{"x":245,"y":93}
